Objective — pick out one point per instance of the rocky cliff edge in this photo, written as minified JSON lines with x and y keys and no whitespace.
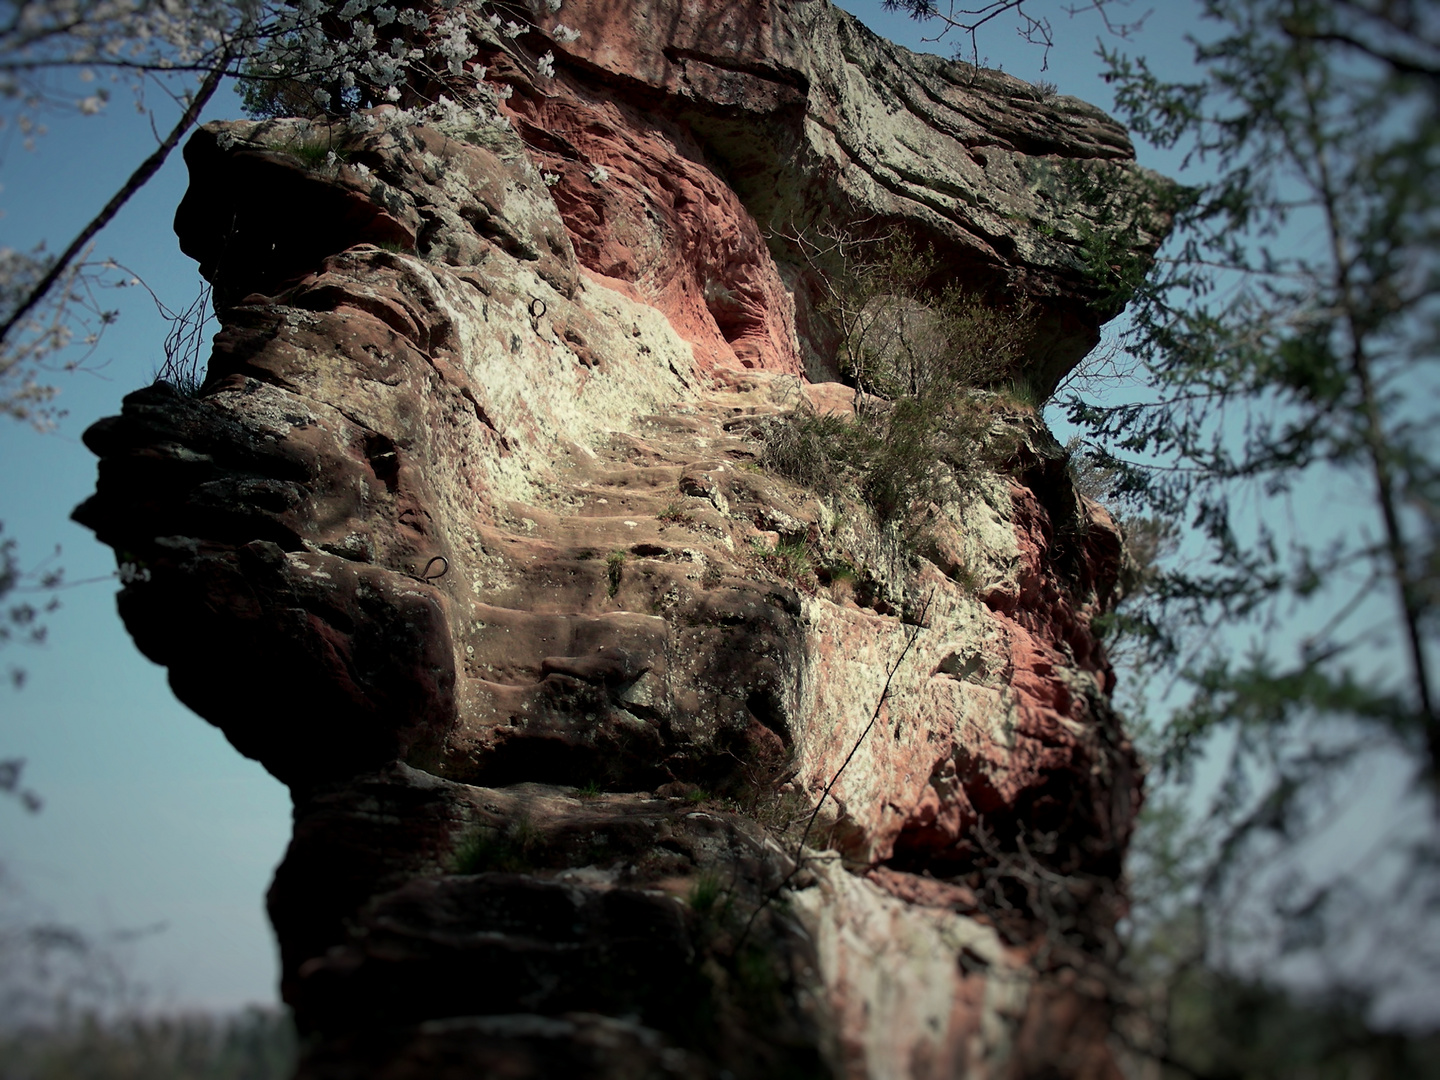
{"x":601,"y":765}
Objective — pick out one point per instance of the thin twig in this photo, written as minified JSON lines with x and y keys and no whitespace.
{"x":148,"y":168}
{"x":799,"y":860}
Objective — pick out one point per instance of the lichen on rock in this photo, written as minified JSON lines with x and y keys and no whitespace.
{"x":613,"y":752}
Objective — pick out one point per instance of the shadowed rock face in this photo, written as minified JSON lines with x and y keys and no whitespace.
{"x":469,"y":500}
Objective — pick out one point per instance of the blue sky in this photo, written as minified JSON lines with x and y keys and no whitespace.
{"x":151,"y":819}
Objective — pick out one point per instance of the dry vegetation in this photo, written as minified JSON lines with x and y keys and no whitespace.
{"x":933,"y":368}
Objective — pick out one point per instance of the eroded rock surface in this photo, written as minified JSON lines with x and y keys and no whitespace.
{"x":470,"y":496}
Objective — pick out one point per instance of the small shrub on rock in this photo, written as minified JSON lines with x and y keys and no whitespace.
{"x":931,"y":365}
{"x":614,"y":570}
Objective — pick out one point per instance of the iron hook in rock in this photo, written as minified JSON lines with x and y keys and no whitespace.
{"x":540,"y":304}
{"x":427,"y":577}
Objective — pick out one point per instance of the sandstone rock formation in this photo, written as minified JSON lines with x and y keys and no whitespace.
{"x":465,"y":539}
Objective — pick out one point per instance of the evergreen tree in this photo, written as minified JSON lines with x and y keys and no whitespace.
{"x":1289,"y":339}
{"x":1287,"y":423}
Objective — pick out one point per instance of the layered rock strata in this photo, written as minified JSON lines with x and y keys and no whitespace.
{"x":614,"y":753}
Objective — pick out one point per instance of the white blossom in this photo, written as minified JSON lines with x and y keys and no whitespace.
{"x":363,"y":37}
{"x":395,"y":119}
{"x":550,"y":178}
{"x":599,"y":174}
{"x":545,"y":67}
{"x":564,"y":35}
{"x":453,"y":45}
{"x":448,"y":113}
{"x":130,"y":572}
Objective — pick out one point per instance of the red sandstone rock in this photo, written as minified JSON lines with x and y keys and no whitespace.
{"x":480,"y":520}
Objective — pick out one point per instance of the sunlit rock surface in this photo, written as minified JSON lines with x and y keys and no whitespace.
{"x":464,"y":538}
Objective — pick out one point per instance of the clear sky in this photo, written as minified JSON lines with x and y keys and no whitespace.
{"x":151,"y":819}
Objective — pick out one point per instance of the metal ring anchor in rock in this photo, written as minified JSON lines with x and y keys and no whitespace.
{"x":426,"y":576}
{"x":537,"y":308}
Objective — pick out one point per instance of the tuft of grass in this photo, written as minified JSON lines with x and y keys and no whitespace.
{"x":489,"y":849}
{"x":1020,"y":392}
{"x":794,"y":558}
{"x":317,"y":150}
{"x":965,"y":575}
{"x":789,"y":559}
{"x":812,"y":450}
{"x":590,"y":790}
{"x":313,"y":151}
{"x":705,"y":893}
{"x":676,"y":514}
{"x":614,"y":569}
{"x":840,"y":576}
{"x":779,"y":809}
{"x":185,"y":381}
{"x":712,"y":575}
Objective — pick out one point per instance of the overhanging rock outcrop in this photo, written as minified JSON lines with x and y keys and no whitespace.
{"x":815,"y":125}
{"x":613,"y":753}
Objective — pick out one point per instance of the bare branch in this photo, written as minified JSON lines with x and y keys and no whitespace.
{"x":1034,"y":29}
{"x":148,"y":168}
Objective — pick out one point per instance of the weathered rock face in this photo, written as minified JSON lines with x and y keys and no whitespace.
{"x":465,"y":540}
{"x":811,"y":121}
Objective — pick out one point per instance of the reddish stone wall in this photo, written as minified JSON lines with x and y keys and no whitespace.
{"x":480,"y":526}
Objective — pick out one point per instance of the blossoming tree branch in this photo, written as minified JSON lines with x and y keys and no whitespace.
{"x":308,"y":57}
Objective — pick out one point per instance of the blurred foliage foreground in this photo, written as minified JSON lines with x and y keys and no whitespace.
{"x":254,"y":1044}
{"x":1220,"y":1027}
{"x":1223,"y":1027}
{"x":71,"y":1008}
